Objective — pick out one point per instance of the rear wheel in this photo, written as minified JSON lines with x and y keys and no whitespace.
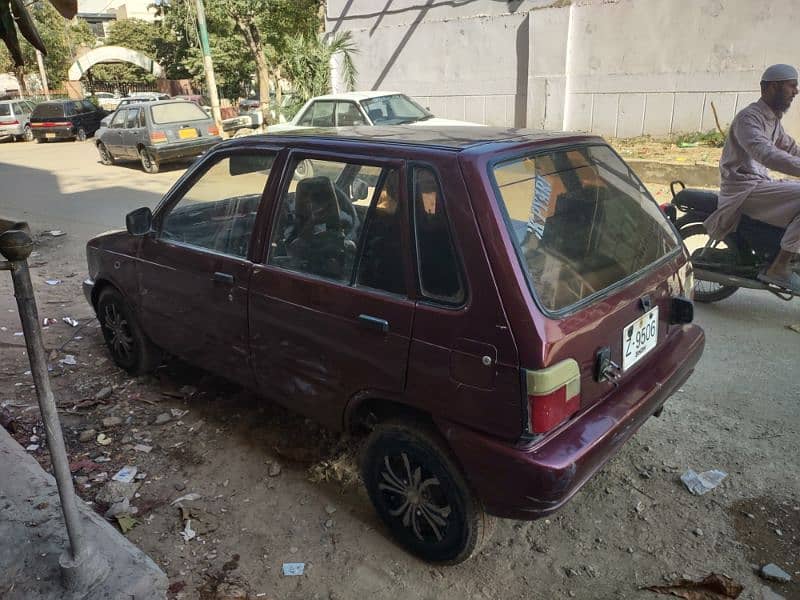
{"x":695,"y":237}
{"x":80,"y":135}
{"x":105,"y":156}
{"x":129,"y":346}
{"x":421,"y":495}
{"x":27,"y":134}
{"x":149,"y":161}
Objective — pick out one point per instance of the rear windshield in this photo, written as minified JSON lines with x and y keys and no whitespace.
{"x":177,"y":112}
{"x":581,"y":222}
{"x":48,"y":110}
{"x":5,"y":110}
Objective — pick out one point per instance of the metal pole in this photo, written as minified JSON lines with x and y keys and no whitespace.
{"x":43,"y":75}
{"x":81,"y":567}
{"x":211,"y":80}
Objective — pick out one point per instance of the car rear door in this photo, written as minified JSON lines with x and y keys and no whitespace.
{"x":325,"y":326}
{"x":195,"y":268}
{"x":112,"y":136}
{"x":134,"y":132}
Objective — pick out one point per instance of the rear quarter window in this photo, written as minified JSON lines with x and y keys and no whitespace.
{"x":5,"y":110}
{"x":176,"y":112}
{"x":581,"y":222}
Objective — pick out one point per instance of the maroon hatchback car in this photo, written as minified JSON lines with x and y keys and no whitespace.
{"x":500,"y":309}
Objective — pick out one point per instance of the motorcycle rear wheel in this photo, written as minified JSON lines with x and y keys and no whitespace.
{"x":706,"y":291}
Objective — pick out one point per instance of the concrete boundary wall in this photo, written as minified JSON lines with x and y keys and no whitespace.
{"x":614,"y":67}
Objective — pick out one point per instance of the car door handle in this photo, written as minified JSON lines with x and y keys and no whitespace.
{"x":375,"y":322}
{"x":223,"y":278}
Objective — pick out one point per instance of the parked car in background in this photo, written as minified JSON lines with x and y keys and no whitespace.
{"x":15,"y":119}
{"x":499,"y":309}
{"x":156,"y":132}
{"x":362,"y":108}
{"x":106,"y":100}
{"x":65,"y":120}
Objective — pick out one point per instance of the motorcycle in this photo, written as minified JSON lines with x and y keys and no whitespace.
{"x":723,"y":266}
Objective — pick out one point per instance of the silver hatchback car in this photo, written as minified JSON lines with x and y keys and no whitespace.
{"x":15,"y":117}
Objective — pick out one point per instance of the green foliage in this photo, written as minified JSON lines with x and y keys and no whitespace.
{"x":712,"y":138}
{"x":306,"y":64}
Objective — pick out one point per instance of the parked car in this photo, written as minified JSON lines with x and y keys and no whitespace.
{"x":500,"y":309}
{"x":362,"y":108}
{"x":15,"y":119}
{"x":157,"y":132}
{"x":106,"y":100}
{"x":65,"y":120}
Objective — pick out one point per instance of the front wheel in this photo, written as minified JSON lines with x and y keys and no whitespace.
{"x":105,"y":156}
{"x":695,"y":237}
{"x":149,"y":161}
{"x":421,"y":495}
{"x":129,"y":346}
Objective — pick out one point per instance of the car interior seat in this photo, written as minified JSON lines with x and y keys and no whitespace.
{"x":319,"y":242}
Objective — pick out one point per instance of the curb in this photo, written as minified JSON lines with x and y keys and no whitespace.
{"x":695,"y":175}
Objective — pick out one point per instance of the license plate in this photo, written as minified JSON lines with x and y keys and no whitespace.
{"x":50,"y":135}
{"x":639,"y":338}
{"x":187,"y":133}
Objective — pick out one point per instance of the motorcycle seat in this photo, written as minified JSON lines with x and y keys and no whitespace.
{"x":693,"y":199}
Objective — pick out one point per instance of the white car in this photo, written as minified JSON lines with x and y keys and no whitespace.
{"x":362,"y":108}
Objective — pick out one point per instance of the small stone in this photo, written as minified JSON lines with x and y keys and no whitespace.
{"x":163,"y":418}
{"x":630,"y":550}
{"x":143,"y":448}
{"x":571,"y":572}
{"x":87,"y":435}
{"x":571,"y":594}
{"x":640,"y":507}
{"x":330,"y":509}
{"x":180,"y":486}
{"x":104,"y":393}
{"x":274,"y":469}
{"x":112,"y":421}
{"x":774,"y":573}
{"x":779,"y":533}
{"x":750,"y":515}
{"x":293,"y":550}
{"x":698,"y":532}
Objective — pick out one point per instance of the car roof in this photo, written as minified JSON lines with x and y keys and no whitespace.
{"x":454,"y":138}
{"x":357,"y":96}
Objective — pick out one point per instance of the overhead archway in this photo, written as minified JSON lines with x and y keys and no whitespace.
{"x":113,"y":54}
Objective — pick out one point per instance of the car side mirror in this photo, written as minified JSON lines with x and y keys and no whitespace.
{"x":359,"y":190}
{"x":139,"y":221}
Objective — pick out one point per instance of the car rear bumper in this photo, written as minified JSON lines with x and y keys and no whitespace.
{"x":532,"y":481}
{"x":190,"y":149}
{"x":12,"y":129}
{"x":53,"y":133}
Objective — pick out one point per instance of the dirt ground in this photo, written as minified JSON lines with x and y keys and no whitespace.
{"x":664,"y":150}
{"x":274,"y":488}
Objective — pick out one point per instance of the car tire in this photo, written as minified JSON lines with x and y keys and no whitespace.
{"x":707,"y":291}
{"x":105,"y":156}
{"x":421,"y":495}
{"x":80,"y":135}
{"x":149,"y":162}
{"x":27,"y":135}
{"x":130,"y":348}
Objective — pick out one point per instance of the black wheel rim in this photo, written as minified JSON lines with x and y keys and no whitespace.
{"x":147,"y":160}
{"x":118,"y":333}
{"x":415,"y":498}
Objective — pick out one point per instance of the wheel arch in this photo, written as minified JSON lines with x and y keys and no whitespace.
{"x":366,"y":410}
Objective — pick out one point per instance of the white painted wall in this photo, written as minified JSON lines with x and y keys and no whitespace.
{"x":614,"y":67}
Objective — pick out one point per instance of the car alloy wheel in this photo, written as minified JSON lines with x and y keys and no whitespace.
{"x":421,"y":495}
{"x":80,"y":135}
{"x":129,"y":347}
{"x":27,"y":134}
{"x":149,"y":163}
{"x":105,"y":155}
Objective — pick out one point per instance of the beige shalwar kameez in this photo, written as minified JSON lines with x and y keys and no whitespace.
{"x":756,"y":142}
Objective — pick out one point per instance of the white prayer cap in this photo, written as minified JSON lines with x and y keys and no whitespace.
{"x":779,"y":73}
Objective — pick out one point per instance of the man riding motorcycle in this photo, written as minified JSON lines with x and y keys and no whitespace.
{"x":756,"y":142}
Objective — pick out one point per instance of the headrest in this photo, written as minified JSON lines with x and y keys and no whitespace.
{"x":315,"y":202}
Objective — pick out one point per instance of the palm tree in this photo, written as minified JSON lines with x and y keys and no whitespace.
{"x":307,"y":65}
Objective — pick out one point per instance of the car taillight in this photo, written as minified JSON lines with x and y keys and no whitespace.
{"x":14,"y":122}
{"x":52,"y":124}
{"x":554,"y":394}
{"x":158,"y":137}
{"x":213,"y":130}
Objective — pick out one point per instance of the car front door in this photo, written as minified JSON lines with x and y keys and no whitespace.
{"x":133,"y":133}
{"x":112,"y":136}
{"x":195,"y":268}
{"x":329,"y":314}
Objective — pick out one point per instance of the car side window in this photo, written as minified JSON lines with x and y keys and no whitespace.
{"x":319,"y":222}
{"x":132,"y":119}
{"x":347,"y":114}
{"x":218,"y":212}
{"x":141,"y":122}
{"x":308,"y":116}
{"x":118,"y":120}
{"x":381,"y":263}
{"x":439,"y":273}
{"x":319,"y":114}
{"x":88,"y":106}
